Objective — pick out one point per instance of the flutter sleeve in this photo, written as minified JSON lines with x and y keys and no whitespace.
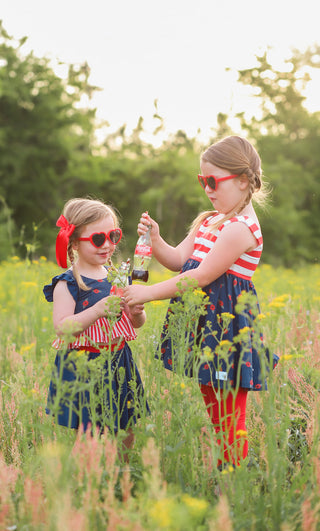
{"x":71,"y":284}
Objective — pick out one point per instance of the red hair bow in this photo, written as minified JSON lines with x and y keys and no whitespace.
{"x":62,"y":240}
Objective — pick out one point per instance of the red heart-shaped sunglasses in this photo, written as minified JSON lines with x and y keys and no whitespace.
{"x":98,"y":238}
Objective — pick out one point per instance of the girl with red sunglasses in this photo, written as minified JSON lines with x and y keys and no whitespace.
{"x":221,"y":252}
{"x":86,"y":321}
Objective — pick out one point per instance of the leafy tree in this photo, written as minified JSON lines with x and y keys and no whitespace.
{"x":48,"y":154}
{"x":287,"y":137}
{"x":45,"y":137}
{"x":136,"y":176}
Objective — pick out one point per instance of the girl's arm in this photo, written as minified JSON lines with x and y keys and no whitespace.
{"x":63,"y":311}
{"x":233,"y":241}
{"x":170,"y":257}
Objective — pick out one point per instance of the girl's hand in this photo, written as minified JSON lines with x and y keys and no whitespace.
{"x":136,"y":309}
{"x":112,"y":305}
{"x":136,"y":295}
{"x":136,"y":314}
{"x":144,"y":224}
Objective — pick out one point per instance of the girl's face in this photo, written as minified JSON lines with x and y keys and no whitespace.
{"x":229,"y":194}
{"x":87,"y":252}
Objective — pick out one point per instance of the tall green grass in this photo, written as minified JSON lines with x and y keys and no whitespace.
{"x":53,"y":478}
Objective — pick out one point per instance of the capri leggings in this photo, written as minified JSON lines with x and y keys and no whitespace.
{"x":228,"y":416}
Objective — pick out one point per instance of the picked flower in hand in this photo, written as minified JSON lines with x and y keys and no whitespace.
{"x":119,"y":277}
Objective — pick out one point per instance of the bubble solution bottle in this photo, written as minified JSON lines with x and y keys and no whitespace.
{"x":142,"y":257}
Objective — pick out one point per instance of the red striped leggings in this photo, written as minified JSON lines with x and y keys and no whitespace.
{"x":228,"y":416}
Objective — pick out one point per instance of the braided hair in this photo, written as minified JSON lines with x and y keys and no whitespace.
{"x":237,"y":155}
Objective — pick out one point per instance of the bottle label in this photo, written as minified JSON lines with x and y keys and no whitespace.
{"x":143,"y":250}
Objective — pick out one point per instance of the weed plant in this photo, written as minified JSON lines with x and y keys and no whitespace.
{"x":55,"y":478}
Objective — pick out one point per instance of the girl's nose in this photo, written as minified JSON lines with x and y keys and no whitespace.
{"x":107,"y":245}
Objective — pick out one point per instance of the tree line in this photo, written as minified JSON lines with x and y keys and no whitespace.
{"x":49,"y":153}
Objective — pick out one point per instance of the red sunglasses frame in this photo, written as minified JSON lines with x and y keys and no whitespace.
{"x":106,"y":237}
{"x":204,"y":181}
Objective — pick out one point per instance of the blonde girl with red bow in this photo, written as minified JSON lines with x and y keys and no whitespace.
{"x":82,"y":302}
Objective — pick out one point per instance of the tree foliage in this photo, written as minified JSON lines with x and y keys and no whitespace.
{"x":44,"y":135}
{"x":48,"y":154}
{"x":287,"y":137}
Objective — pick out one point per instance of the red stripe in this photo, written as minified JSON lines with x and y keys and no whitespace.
{"x":205,"y":236}
{"x":236,"y":274}
{"x":255,"y":254}
{"x":202,"y":248}
{"x":245,"y":264}
{"x":99,"y":332}
{"x":114,"y":346}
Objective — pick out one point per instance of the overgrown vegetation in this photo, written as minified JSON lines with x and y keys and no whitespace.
{"x":53,"y":479}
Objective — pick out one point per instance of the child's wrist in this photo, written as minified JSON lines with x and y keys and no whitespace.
{"x":155,"y":238}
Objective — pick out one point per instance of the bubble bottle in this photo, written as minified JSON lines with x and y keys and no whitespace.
{"x":142,"y":257}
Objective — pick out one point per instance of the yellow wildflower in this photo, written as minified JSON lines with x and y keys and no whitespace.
{"x":241,"y":433}
{"x":227,"y":315}
{"x":161,"y":512}
{"x":225,"y":342}
{"x":228,"y":470}
{"x":245,"y":330}
{"x":286,"y":357}
{"x":207,"y":353}
{"x":28,"y":284}
{"x":197,"y":507}
{"x":276,"y":304}
{"x":199,"y":292}
{"x":26,"y":348}
{"x":279,"y":302}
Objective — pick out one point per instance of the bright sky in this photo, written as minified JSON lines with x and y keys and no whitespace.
{"x":175,"y":51}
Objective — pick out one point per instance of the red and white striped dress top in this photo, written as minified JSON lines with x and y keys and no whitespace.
{"x":246,"y":264}
{"x":99,"y":334}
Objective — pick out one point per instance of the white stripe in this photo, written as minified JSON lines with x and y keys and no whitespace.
{"x":250,"y":259}
{"x":203,"y":241}
{"x":199,"y":254}
{"x":241,"y":270}
{"x":250,"y":223}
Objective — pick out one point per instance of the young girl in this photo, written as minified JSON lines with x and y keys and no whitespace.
{"x":83,"y":306}
{"x":221,"y":252}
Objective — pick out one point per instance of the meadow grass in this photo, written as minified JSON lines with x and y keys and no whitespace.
{"x":54,"y":478}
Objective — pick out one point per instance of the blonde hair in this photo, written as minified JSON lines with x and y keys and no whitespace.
{"x":236,"y":155}
{"x":80,"y":212}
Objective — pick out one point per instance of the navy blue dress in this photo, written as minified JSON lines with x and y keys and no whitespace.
{"x":91,"y":383}
{"x":231,"y":350}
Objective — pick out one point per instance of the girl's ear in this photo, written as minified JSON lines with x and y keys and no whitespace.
{"x":75,"y":245}
{"x":243,"y":181}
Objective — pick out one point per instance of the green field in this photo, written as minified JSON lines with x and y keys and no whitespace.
{"x":52,"y":479}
